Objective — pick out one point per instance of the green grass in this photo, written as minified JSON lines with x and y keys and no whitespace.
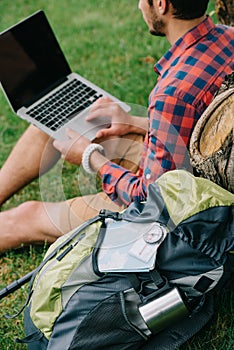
{"x":107,"y":42}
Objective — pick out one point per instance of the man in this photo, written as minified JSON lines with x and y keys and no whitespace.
{"x":190,"y":73}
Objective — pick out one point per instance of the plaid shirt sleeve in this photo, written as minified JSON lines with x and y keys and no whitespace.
{"x":165,"y":148}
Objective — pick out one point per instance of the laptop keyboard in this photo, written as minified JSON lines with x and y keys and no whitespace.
{"x":64,"y":104}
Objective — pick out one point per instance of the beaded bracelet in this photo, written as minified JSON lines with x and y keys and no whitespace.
{"x":87,"y":154}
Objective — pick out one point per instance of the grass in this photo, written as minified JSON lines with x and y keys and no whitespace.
{"x":108,"y":43}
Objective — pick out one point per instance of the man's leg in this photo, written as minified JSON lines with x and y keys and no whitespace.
{"x":80,"y":209}
{"x":30,"y":222}
{"x":33,"y":154}
{"x":36,"y":222}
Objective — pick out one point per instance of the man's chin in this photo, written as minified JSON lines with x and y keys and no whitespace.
{"x":155,"y":33}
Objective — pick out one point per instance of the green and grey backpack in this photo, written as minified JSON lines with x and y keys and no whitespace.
{"x":140,"y":279}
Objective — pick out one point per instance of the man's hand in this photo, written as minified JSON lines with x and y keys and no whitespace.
{"x":120,"y":121}
{"x":72,"y":149}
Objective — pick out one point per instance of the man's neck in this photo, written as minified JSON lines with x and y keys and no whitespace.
{"x":177,"y":28}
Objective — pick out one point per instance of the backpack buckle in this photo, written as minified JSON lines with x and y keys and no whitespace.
{"x":108,"y":214}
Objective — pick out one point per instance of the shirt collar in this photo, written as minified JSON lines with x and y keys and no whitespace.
{"x":183,"y":43}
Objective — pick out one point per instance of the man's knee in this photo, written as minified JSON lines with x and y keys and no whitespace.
{"x":28,"y":209}
{"x":41,"y":220}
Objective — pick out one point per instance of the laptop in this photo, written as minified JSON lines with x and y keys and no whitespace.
{"x":39,"y":84}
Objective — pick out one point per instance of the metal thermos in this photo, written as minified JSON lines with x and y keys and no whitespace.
{"x":163,"y":311}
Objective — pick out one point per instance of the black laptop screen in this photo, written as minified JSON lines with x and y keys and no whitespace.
{"x":31,"y":61}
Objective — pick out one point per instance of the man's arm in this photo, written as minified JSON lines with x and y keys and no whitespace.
{"x":165,"y":148}
{"x":32,"y":155}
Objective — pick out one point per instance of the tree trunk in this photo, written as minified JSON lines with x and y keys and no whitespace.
{"x":225,"y":11}
{"x":211,"y":144}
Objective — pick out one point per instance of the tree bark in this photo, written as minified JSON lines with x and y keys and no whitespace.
{"x":211,"y":144}
{"x":225,"y":11}
{"x":212,"y":141}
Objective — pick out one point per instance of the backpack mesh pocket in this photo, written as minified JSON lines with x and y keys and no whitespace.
{"x":108,"y":327}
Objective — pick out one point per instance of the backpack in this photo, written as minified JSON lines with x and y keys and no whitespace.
{"x":90,"y":293}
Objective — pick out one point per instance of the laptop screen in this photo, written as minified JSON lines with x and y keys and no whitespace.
{"x":31,"y":61}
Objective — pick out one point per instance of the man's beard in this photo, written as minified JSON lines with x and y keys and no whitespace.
{"x":158,"y":27}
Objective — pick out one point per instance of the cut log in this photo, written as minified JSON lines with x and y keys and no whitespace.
{"x":225,"y":11}
{"x":211,"y":145}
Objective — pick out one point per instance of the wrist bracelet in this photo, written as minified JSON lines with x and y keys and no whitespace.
{"x":87,"y":154}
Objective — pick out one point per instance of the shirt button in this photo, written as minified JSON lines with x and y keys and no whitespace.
{"x":147,"y":176}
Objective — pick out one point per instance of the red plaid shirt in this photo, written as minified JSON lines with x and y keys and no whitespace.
{"x":189,"y":75}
